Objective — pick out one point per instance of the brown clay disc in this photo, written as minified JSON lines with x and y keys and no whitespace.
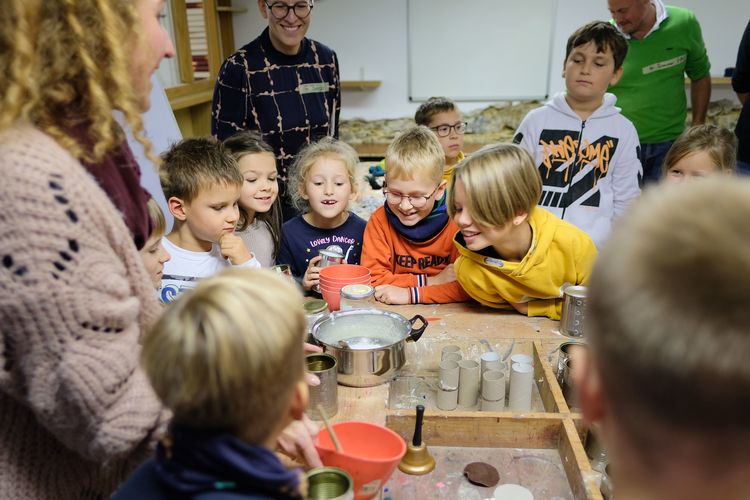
{"x":482,"y":474}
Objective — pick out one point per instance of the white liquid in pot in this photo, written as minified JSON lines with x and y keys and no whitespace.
{"x":364,"y":331}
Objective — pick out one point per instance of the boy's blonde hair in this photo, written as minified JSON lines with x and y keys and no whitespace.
{"x":718,"y":142}
{"x":414,"y":152}
{"x":667,"y":320}
{"x":500,"y":181}
{"x":327,"y":147}
{"x":194,"y":164}
{"x":64,"y":64}
{"x":228,"y":354}
{"x":157,"y":218}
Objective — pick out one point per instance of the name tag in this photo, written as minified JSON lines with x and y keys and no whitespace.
{"x":313,"y":88}
{"x":665,"y":64}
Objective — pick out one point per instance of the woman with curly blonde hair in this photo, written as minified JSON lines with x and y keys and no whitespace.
{"x":76,"y":411}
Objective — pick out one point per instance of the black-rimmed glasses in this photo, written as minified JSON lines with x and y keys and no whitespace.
{"x":445,"y":130}
{"x":280,"y":10}
{"x":415,"y":201}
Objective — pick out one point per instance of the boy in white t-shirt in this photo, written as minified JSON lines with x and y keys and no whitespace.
{"x":202,"y":184}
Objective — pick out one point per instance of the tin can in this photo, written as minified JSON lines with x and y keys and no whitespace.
{"x":571,"y":323}
{"x":330,"y":256}
{"x":329,"y":483}
{"x":314,"y":310}
{"x":563,"y":354}
{"x":325,"y":395}
{"x":357,"y":296}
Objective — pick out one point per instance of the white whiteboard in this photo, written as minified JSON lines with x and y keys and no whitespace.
{"x":482,"y":50}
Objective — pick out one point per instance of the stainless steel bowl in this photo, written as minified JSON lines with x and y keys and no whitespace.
{"x":367,"y":343}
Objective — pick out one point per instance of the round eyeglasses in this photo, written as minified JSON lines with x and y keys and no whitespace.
{"x":445,"y":130}
{"x":280,"y":10}
{"x":415,"y":201}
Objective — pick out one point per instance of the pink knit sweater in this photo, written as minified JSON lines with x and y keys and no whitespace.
{"x":76,"y":411}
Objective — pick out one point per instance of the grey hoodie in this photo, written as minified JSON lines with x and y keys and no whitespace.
{"x":590,"y":170}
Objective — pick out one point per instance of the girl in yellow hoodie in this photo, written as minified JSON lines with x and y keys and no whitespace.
{"x":513,"y":254}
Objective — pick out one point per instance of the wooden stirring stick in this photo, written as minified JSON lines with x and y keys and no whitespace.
{"x":329,"y":427}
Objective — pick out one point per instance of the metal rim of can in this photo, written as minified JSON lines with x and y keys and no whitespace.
{"x":330,"y":254}
{"x":315,"y":306}
{"x":357,"y":291}
{"x":335,"y":473}
{"x":577,"y":291}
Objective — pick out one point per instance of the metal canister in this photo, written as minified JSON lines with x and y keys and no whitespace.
{"x":571,"y":323}
{"x":314,"y":310}
{"x":330,"y":256}
{"x":329,"y":483}
{"x":563,"y":354}
{"x":357,"y":296}
{"x":326,"y":394}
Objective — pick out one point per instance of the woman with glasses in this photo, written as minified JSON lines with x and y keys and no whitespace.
{"x":281,"y":84}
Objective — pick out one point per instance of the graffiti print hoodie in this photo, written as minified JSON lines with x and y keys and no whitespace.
{"x":591,"y":170}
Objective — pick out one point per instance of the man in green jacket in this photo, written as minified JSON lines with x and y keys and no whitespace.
{"x":664,"y":44}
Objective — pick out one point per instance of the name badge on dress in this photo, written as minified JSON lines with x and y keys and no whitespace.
{"x":313,"y":88}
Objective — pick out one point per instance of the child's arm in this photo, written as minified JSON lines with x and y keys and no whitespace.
{"x":233,"y":248}
{"x":430,"y":294}
{"x":379,"y":257}
{"x":584,"y":252}
{"x":628,"y":171}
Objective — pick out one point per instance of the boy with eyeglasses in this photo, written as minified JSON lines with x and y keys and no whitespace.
{"x":441,"y":115}
{"x":408,"y":242}
{"x":587,"y":153}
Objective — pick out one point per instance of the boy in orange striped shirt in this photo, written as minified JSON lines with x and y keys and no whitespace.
{"x":408,"y":242}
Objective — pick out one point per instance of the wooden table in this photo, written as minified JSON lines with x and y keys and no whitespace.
{"x":463,"y":324}
{"x":553,"y":427}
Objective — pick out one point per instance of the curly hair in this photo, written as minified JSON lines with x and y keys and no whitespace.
{"x":65,"y":65}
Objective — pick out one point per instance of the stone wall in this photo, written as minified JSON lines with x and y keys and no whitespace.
{"x":493,"y":123}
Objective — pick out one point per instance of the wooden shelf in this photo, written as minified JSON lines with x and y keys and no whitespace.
{"x":716,"y":80}
{"x":360,"y":84}
{"x":190,"y":94}
{"x":231,"y":10}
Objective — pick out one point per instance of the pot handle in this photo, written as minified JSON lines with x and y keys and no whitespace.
{"x":414,"y":334}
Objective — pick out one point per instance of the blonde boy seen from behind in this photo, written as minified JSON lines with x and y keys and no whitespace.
{"x":227,"y":358}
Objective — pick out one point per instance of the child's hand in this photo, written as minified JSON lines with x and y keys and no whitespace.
{"x":297,"y":440}
{"x":522,"y":307}
{"x":391,"y":294}
{"x":234,"y":248}
{"x":447,"y":275}
{"x":312,"y":274}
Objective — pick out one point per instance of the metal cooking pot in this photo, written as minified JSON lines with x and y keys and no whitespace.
{"x":367,"y":343}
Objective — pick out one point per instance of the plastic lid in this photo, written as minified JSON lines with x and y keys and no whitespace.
{"x":357,"y":291}
{"x":315,"y":306}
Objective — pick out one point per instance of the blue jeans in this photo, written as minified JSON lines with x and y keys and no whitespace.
{"x":652,"y":159}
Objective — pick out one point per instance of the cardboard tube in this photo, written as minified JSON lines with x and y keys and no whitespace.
{"x":492,"y":405}
{"x":449,"y":375}
{"x":452,"y":356}
{"x":521,"y":382}
{"x":468,"y":382}
{"x":449,"y":349}
{"x":447,"y":400}
{"x":490,"y":361}
{"x":493,"y":385}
